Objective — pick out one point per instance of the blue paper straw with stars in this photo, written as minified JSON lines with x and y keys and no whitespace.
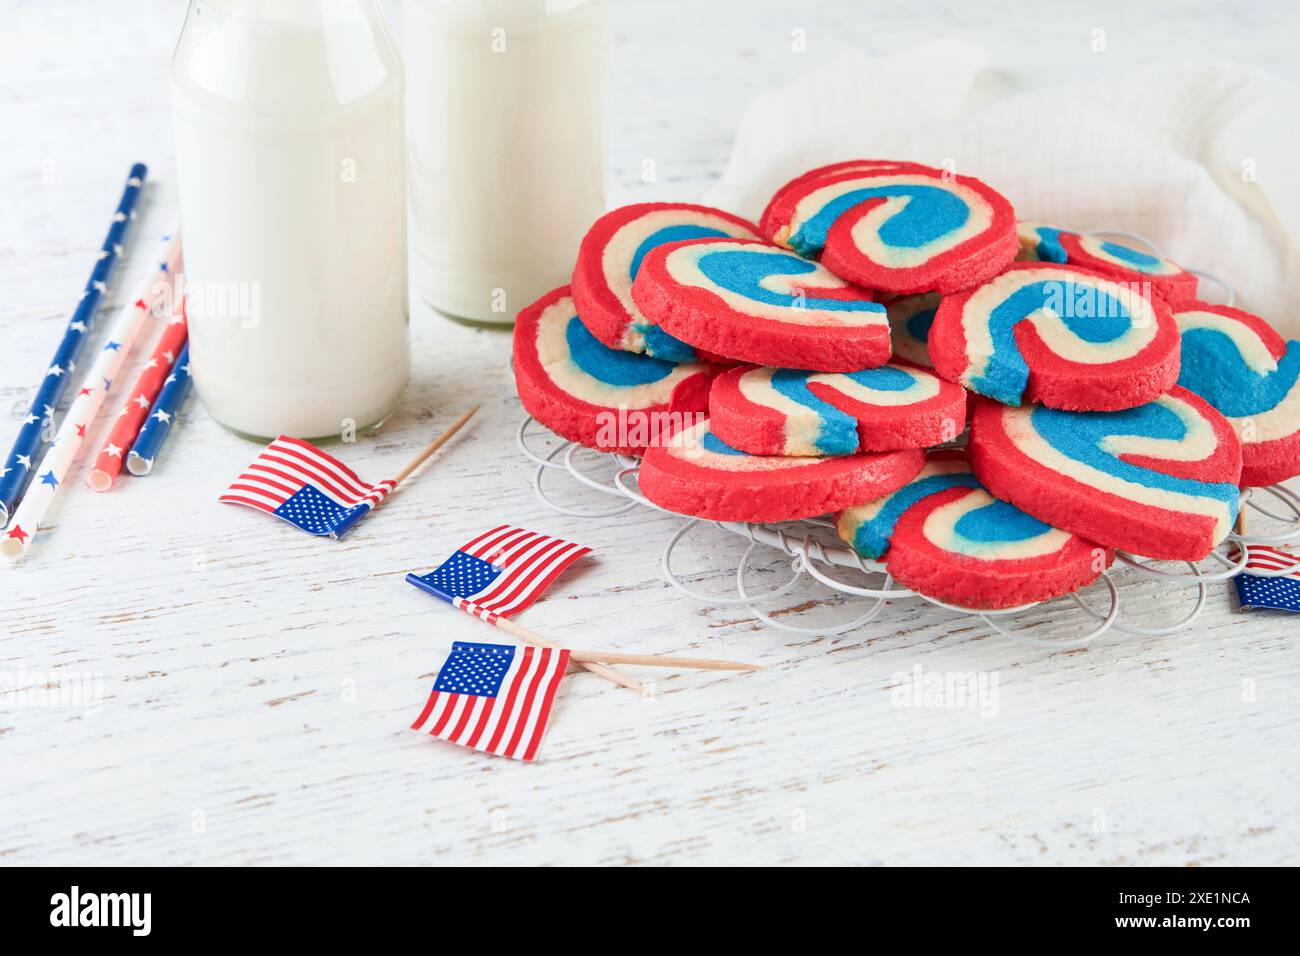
{"x":162,"y":416}
{"x":16,"y":468}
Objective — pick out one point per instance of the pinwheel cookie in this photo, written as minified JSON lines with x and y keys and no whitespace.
{"x":594,"y":395}
{"x":1240,"y":365}
{"x":753,"y":302}
{"x":1159,"y":480}
{"x":778,"y":204}
{"x":781,"y":411}
{"x":943,"y":535}
{"x":1167,"y":279}
{"x":900,"y":229}
{"x":1057,"y":335}
{"x":611,"y":255}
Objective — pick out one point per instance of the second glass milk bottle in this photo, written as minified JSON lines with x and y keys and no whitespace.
{"x":506,"y":108}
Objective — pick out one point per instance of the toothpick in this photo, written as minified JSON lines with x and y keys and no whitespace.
{"x":433,"y":446}
{"x":593,"y":659}
{"x":532,"y":637}
{"x":655,"y":660}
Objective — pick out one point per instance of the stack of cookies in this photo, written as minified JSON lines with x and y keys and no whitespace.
{"x":814,"y":362}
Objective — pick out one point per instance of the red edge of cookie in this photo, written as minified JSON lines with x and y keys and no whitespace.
{"x":601,"y":311}
{"x":803,"y":491}
{"x":986,"y":585}
{"x":570,"y":417}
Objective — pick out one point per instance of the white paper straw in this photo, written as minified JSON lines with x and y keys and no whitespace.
{"x":53,"y":469}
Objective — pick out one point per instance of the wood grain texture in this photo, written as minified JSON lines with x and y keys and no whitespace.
{"x":249,"y":686}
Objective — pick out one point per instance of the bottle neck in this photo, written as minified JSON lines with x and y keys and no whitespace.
{"x":284,"y":57}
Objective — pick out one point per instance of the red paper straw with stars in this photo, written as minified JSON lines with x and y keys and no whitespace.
{"x":108,"y":464}
{"x":53,"y":469}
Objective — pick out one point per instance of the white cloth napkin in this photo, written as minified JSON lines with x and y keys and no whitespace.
{"x":1200,"y":157}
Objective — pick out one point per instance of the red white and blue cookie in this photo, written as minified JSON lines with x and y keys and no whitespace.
{"x":594,"y":395}
{"x":946,"y":537}
{"x":910,"y":318}
{"x":783,"y":411}
{"x":1240,"y":365}
{"x":777,"y":202}
{"x":1057,"y":335}
{"x":1043,"y":243}
{"x":1158,"y":480}
{"x":611,"y":255}
{"x":901,"y":230}
{"x":753,"y":302}
{"x":696,"y":473}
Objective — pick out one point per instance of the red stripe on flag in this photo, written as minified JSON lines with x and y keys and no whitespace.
{"x":288,"y":489}
{"x":314,"y":477}
{"x":544,"y":714}
{"x":240,"y":500}
{"x":428,"y":709}
{"x":544,"y":658}
{"x":511,"y":580}
{"x":483,"y":720}
{"x":501,"y":553}
{"x":314,"y":467}
{"x":537,"y":581}
{"x":487,"y":547}
{"x":471,"y":701}
{"x":470,"y":545}
{"x":509,"y":708}
{"x":313,"y":450}
{"x":449,"y":703}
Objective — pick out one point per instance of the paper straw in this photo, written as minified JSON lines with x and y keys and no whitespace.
{"x":139,"y":405}
{"x":52,"y":470}
{"x":16,"y":470}
{"x":161,"y":417}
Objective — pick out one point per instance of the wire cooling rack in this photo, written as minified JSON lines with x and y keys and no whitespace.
{"x":816,"y":554}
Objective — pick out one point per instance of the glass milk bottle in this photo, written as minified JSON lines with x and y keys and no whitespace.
{"x":289,"y":141}
{"x":505,"y":125}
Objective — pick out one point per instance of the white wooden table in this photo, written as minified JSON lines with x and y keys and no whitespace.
{"x":248,"y":687}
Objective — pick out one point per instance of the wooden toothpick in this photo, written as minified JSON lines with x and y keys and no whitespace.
{"x":433,"y":446}
{"x":593,"y":659}
{"x":532,"y":637}
{"x":655,"y":660}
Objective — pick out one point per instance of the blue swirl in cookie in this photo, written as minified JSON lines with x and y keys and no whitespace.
{"x":1131,"y":257}
{"x":999,"y":522}
{"x":1100,"y":318}
{"x":1049,"y":247}
{"x":658,"y":342}
{"x":742,"y":271}
{"x":612,"y":366}
{"x":1082,"y":437}
{"x":713,"y":443}
{"x":918,"y":325}
{"x":1214,"y":369}
{"x":930,"y":213}
{"x":837,"y":431}
{"x":871,"y":538}
{"x":677,"y":233}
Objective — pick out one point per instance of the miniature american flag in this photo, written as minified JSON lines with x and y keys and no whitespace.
{"x":296,"y":481}
{"x":1276,"y":584}
{"x":500,"y":573}
{"x":494,"y":697}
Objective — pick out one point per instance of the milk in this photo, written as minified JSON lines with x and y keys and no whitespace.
{"x":505,"y":121}
{"x":289,"y":140}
